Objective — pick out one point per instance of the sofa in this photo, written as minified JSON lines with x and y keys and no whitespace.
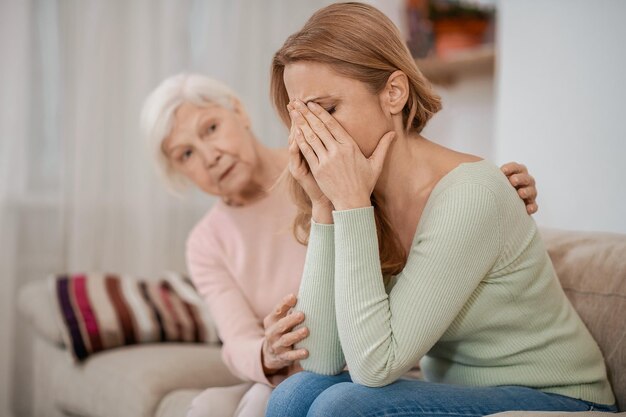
{"x":162,"y":379}
{"x":140,"y":380}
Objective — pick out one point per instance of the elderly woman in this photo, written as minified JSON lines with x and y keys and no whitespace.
{"x":242,"y":257}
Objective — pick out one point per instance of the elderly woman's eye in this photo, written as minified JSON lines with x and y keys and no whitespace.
{"x":212,"y":128}
{"x":185,"y":155}
{"x":330,"y":110}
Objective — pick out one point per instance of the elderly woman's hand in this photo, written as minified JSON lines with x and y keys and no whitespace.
{"x":278,"y":352}
{"x":341,"y":171}
{"x":524,"y":183}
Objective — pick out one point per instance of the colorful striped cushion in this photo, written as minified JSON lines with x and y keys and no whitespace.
{"x":104,"y":311}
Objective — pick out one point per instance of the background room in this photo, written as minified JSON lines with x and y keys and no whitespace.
{"x":538,"y":83}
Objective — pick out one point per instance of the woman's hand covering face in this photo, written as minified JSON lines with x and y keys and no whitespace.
{"x":328,"y":164}
{"x":300,"y":169}
{"x":339,"y":168}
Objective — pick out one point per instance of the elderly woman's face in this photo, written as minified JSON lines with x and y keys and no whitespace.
{"x":213,"y":147}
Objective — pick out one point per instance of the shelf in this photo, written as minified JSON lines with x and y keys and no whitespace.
{"x":446,"y":70}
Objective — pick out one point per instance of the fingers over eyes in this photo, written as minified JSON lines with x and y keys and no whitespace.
{"x":306,"y":149}
{"x":316,"y":125}
{"x":330,"y":123}
{"x":311,"y":137}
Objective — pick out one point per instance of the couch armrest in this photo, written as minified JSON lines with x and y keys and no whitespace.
{"x":34,"y":303}
{"x":131,"y":381}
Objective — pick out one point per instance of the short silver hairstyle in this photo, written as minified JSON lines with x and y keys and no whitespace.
{"x":157,"y":116}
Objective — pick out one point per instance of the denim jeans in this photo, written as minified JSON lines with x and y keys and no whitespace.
{"x":313,"y":395}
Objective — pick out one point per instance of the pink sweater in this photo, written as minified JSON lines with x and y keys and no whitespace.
{"x":244,"y":260}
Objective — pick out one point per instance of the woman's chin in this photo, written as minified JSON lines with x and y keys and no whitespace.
{"x":235,"y":185}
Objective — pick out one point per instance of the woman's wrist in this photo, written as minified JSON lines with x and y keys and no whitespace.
{"x":267,"y":370}
{"x":353,"y":203}
{"x":322,"y":212}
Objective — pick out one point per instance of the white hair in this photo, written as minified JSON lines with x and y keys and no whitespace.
{"x":157,"y":115}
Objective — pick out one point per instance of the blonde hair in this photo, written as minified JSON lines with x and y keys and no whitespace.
{"x":360,"y":42}
{"x":157,"y":116}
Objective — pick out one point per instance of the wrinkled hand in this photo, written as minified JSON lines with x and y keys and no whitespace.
{"x":278,"y":352}
{"x":524,"y":183}
{"x":342,"y":172}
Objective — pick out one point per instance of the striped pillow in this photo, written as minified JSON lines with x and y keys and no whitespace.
{"x":103,"y":311}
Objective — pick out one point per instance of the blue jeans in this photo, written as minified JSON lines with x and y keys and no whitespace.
{"x":313,"y":395}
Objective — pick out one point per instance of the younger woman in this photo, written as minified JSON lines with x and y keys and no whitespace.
{"x":416,"y":252}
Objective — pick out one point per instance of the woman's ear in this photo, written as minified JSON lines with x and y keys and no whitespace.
{"x":241,"y":112}
{"x":396,"y":92}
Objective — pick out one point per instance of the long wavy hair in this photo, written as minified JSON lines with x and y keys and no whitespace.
{"x":357,"y":41}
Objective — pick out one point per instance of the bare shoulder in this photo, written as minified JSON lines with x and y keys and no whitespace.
{"x":461,"y":157}
{"x":453,"y":159}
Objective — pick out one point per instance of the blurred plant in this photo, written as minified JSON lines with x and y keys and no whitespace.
{"x":460,"y":24}
{"x":460,"y":9}
{"x":441,"y":27}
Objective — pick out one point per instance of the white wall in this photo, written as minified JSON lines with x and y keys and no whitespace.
{"x":466,"y":121}
{"x":561,"y":96}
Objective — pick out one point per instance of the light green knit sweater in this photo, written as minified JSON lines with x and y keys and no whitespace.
{"x":478,"y":301}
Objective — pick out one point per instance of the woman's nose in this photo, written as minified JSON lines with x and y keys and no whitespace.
{"x":211,"y":155}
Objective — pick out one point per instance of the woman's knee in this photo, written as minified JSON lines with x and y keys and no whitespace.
{"x":292,"y":384}
{"x":294,"y":396}
{"x":346,"y":399}
{"x":290,"y":388}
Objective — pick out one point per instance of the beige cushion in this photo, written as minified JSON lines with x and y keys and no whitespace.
{"x":33,"y":302}
{"x":176,"y":403}
{"x":131,"y":381}
{"x":212,"y":402}
{"x":592,"y":271}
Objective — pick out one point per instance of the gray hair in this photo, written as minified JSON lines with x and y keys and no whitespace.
{"x":157,"y":116}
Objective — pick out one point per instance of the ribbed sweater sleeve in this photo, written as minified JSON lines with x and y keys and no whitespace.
{"x":384,"y":335}
{"x":316,"y":299}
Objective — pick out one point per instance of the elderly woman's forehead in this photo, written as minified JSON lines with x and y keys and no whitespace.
{"x":189,"y":110}
{"x":186,"y":119}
